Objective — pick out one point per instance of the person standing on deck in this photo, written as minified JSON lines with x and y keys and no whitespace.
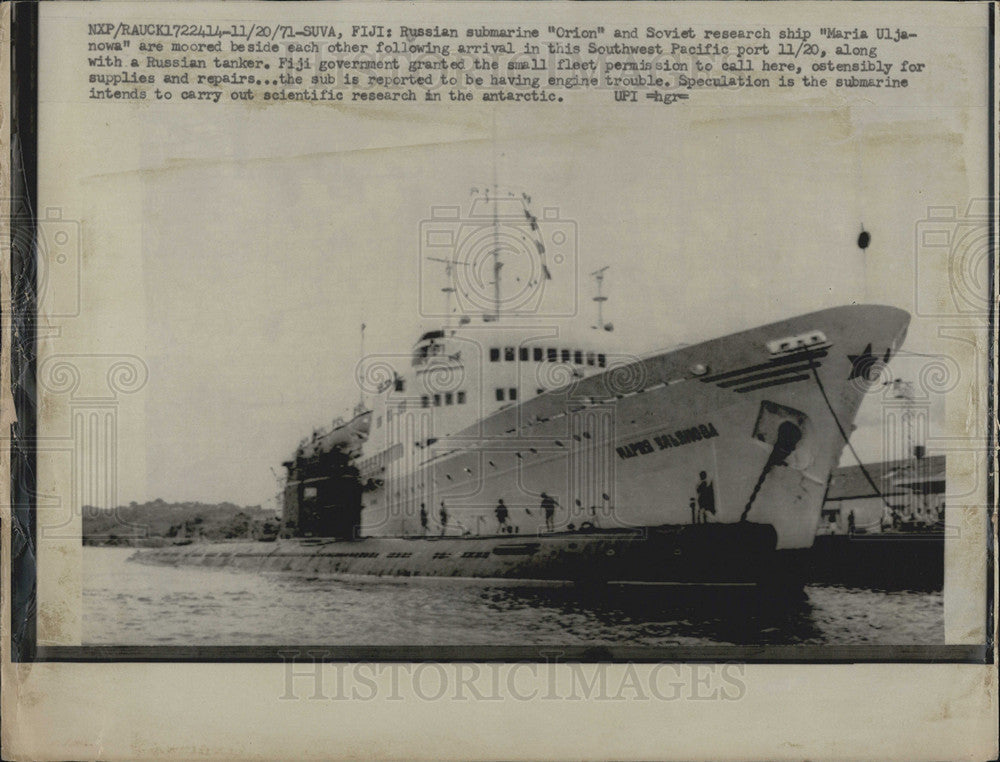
{"x":502,"y":513}
{"x":423,"y":519}
{"x":706,"y":497}
{"x":549,"y":508}
{"x":444,"y":519}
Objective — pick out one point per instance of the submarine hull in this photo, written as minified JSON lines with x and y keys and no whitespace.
{"x":741,"y":553}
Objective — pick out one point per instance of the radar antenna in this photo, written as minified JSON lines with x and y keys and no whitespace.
{"x":598,"y":275}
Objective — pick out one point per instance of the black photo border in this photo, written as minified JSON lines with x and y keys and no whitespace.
{"x":23,"y":354}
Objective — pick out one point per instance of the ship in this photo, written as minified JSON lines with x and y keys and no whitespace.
{"x":499,"y":448}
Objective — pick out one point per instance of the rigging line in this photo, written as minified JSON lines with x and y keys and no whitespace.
{"x":840,"y":428}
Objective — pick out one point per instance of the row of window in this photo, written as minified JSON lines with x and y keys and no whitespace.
{"x":549,"y":354}
{"x":453,"y":398}
{"x":448,"y":398}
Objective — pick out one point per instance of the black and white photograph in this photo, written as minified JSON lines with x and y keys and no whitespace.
{"x":565,"y":378}
{"x":649,"y":332}
{"x":650,"y":469}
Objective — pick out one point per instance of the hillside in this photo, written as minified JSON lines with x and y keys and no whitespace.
{"x":159,"y":522}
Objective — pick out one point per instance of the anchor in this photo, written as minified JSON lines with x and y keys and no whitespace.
{"x":788,"y":437}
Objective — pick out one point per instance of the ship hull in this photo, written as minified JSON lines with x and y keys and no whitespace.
{"x":761,"y":423}
{"x":689,"y":554}
{"x":706,"y":464}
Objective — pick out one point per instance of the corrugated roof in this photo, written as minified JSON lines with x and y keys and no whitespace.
{"x":892,"y":477}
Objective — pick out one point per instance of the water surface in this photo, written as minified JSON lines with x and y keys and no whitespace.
{"x":134,"y":604}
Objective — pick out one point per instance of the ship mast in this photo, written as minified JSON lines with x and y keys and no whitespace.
{"x":497,"y":264}
{"x":598,"y":275}
{"x":449,"y":289}
{"x":903,"y":390}
{"x":532,"y":233}
{"x":360,"y":408}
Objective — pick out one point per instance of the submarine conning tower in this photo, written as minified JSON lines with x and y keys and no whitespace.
{"x":322,"y":493}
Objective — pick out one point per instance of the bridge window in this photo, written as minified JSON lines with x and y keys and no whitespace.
{"x":494,"y":354}
{"x":538,"y":354}
{"x":448,"y":398}
{"x":512,"y":394}
{"x":578,"y":357}
{"x":499,"y":395}
{"x":508,"y":354}
{"x":461,"y":398}
{"x":399,"y":385}
{"x":425,"y":401}
{"x":539,"y":391}
{"x":524,"y":354}
{"x":602,"y":361}
{"x":437,"y":400}
{"x":550,"y":354}
{"x":565,"y":355}
{"x":590,"y":358}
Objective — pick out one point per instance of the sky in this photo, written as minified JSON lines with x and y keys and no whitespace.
{"x":238,"y":250}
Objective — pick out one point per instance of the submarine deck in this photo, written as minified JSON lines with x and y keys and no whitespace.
{"x":716,"y":553}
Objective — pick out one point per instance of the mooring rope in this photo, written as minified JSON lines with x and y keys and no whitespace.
{"x":847,"y":441}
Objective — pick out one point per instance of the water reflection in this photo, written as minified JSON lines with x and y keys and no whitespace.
{"x":736,"y":615}
{"x":130,"y":603}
